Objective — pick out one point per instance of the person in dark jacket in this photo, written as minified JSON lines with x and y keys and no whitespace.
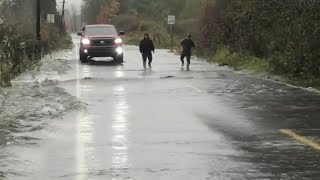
{"x":146,"y":49}
{"x":187,"y":46}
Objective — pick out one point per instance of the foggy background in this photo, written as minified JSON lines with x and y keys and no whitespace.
{"x":77,"y":3}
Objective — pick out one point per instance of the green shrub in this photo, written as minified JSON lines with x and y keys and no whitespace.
{"x":135,"y":28}
{"x":224,"y":57}
{"x":286,"y":33}
{"x":17,"y":51}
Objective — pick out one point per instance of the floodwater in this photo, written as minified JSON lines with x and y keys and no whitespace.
{"x":104,"y":121}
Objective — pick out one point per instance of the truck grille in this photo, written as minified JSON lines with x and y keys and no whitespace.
{"x":102,"y":42}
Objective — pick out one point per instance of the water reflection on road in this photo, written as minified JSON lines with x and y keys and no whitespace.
{"x":84,"y":128}
{"x":120,"y":143}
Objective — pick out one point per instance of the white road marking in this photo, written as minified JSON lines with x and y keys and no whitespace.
{"x":301,"y":139}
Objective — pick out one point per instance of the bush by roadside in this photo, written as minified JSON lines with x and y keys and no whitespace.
{"x":283,"y":35}
{"x":17,"y":50}
{"x":136,"y":27}
{"x":52,"y":40}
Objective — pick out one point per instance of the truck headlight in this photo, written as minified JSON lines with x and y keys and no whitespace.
{"x":85,"y":41}
{"x":119,"y":50}
{"x":118,"y":40}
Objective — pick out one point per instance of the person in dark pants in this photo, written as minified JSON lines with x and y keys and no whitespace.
{"x":146,"y":49}
{"x":187,"y":46}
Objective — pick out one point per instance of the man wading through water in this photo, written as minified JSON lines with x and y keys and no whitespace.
{"x":187,"y":45}
{"x":146,"y":49}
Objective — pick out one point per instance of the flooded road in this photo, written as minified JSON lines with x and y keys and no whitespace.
{"x":164,"y":123}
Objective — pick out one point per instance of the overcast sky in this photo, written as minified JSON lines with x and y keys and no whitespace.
{"x":69,"y":3}
{"x":77,"y":2}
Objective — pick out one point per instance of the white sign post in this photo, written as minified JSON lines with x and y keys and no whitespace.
{"x":171,"y":19}
{"x":50,"y":18}
{"x":171,"y":22}
{"x":1,"y":21}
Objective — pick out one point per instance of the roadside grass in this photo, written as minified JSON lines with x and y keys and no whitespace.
{"x":238,"y":62}
{"x":253,"y":65}
{"x":311,"y":83}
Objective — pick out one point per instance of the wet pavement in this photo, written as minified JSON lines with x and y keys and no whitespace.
{"x":164,"y":123}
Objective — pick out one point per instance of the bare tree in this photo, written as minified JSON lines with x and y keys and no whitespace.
{"x":74,"y":14}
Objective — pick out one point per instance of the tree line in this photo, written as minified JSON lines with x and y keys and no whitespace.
{"x":286,"y":33}
{"x":139,"y":16}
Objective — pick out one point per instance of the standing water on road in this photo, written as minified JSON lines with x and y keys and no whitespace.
{"x":163,"y":123}
{"x":97,"y":111}
{"x":28,"y":110}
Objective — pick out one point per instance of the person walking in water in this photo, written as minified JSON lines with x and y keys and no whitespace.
{"x":146,"y":49}
{"x":187,"y":46}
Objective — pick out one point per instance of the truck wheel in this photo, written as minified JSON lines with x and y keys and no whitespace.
{"x":118,"y":60}
{"x":83,"y":58}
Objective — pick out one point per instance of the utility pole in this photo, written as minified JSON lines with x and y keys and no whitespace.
{"x":62,"y":17}
{"x":38,"y":31}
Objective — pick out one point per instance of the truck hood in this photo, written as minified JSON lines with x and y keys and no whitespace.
{"x":101,"y":36}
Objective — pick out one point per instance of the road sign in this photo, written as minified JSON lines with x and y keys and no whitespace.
{"x":50,"y":18}
{"x":171,"y":19}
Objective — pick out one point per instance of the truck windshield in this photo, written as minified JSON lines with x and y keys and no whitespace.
{"x":101,"y":30}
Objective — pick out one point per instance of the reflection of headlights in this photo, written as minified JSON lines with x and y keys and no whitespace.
{"x":118,"y":41}
{"x":119,"y":50}
{"x":85,"y":41}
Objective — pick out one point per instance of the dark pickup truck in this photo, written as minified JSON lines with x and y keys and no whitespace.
{"x":101,"y":40}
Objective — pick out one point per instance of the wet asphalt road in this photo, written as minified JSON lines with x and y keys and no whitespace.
{"x":171,"y":124}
